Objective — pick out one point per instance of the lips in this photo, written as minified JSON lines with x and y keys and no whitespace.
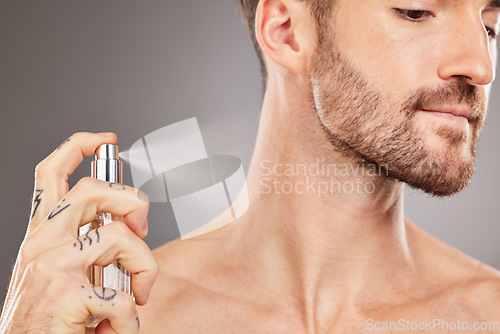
{"x":457,"y":111}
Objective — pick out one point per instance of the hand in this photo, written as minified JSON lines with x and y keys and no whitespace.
{"x":49,"y":291}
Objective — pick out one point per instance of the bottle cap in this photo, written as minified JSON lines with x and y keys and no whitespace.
{"x":107,"y":165}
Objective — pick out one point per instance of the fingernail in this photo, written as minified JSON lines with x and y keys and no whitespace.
{"x":145,"y":228}
{"x":105,"y":133}
{"x":142,"y":196}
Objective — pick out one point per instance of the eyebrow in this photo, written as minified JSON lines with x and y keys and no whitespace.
{"x":494,"y":4}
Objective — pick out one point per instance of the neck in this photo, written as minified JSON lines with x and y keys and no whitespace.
{"x":338,"y":238}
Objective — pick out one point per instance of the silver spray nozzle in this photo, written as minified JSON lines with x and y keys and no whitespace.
{"x":107,"y":165}
{"x":107,"y":151}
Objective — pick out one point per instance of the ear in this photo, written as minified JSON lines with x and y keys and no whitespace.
{"x":286,"y":33}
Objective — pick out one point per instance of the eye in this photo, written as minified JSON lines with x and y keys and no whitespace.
{"x":414,"y":15}
{"x":491,"y":33}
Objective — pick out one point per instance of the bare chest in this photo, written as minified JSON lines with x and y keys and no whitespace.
{"x":208,"y":314}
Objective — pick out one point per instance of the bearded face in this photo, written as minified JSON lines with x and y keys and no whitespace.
{"x":429,"y":150}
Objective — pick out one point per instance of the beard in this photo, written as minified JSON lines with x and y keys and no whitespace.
{"x":367,"y":129}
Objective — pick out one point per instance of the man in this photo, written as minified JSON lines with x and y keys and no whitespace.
{"x":360,"y":98}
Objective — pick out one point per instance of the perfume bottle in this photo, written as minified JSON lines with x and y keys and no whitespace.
{"x":106,"y":167}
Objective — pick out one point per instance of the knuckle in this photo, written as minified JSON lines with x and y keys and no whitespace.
{"x":85,"y":184}
{"x":45,"y":271}
{"x":128,"y":304}
{"x":124,"y":301}
{"x":141,"y":195}
{"x":144,"y":205}
{"x":47,"y":286}
{"x":28,"y":250}
{"x":154,"y":268}
{"x":42,"y":168}
{"x":41,"y":266}
{"x":141,"y":200}
{"x":152,"y":271}
{"x":81,"y":135}
{"x":47,"y":167}
{"x":59,"y":285}
{"x":120,"y":230}
{"x":119,"y":234}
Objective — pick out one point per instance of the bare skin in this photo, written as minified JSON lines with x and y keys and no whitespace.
{"x":299,"y":263}
{"x":224,"y":293}
{"x":49,"y":291}
{"x":300,"y":270}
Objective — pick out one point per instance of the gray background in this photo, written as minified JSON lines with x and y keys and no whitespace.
{"x":135,"y":66}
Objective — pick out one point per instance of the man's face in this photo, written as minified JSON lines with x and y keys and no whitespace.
{"x":404,"y":84}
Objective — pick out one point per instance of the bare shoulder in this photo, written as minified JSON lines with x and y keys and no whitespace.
{"x":195,"y":292}
{"x":482,"y":295}
{"x":468,"y":282}
{"x":180,"y":262}
{"x":171,"y":289}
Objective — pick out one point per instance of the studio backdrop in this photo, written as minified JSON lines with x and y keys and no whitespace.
{"x":134,"y":67}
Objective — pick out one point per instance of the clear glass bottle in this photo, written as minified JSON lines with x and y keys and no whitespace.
{"x":106,"y":167}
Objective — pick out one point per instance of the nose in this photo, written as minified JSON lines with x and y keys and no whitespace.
{"x":467,"y":54}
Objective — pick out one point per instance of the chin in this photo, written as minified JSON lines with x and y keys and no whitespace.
{"x":444,"y":186}
{"x":442,"y":161}
{"x":440,"y":175}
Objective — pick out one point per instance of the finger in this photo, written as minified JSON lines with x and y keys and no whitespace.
{"x":108,"y":243}
{"x":105,"y":327}
{"x":90,"y":196}
{"x":52,"y":173}
{"x":116,"y":306}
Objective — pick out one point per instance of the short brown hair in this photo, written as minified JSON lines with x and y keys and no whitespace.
{"x":321,"y":9}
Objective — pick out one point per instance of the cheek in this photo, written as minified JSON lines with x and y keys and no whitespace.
{"x":392,"y":60}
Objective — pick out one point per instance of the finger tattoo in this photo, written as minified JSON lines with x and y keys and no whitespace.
{"x":81,"y":244}
{"x":37,"y":201}
{"x":103,"y":293}
{"x":64,"y":142}
{"x":54,"y":213}
{"x":86,"y":238}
